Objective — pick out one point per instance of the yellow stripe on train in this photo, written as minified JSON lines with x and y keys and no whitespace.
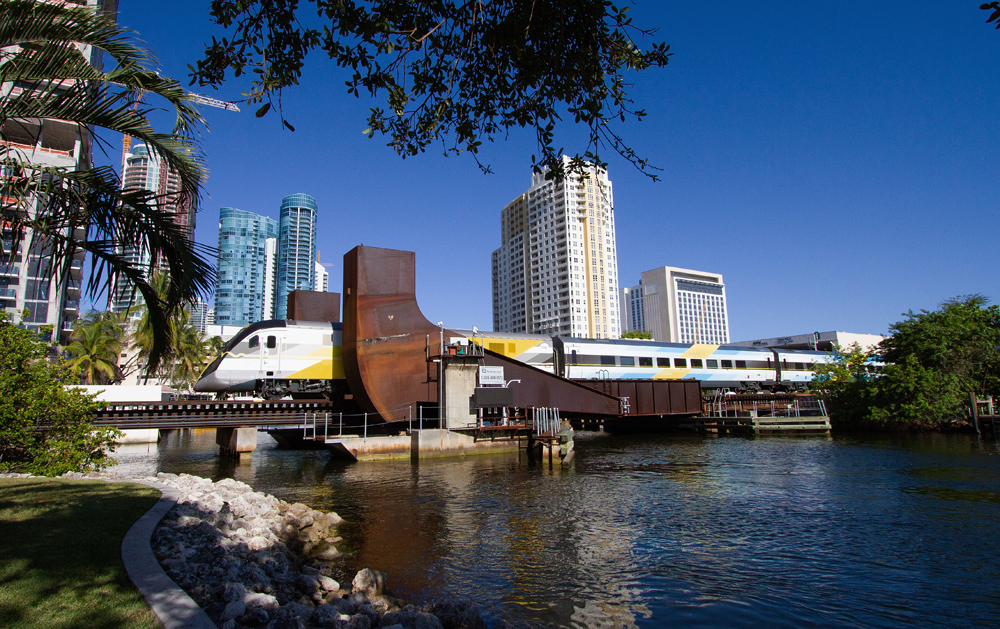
{"x":321,"y":370}
{"x":511,"y":348}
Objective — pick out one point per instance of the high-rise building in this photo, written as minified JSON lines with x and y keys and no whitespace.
{"x":245,"y":272}
{"x":322,"y":281}
{"x":296,"y":248}
{"x":198,"y":312}
{"x":29,"y":291}
{"x":270,"y":276}
{"x":556,"y":271}
{"x":145,"y":170}
{"x":677,"y":306}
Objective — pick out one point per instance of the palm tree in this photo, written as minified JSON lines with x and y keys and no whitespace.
{"x":189,"y":356}
{"x":44,"y":75}
{"x":95,"y":349}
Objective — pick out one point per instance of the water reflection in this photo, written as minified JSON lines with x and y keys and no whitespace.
{"x":648,"y":531}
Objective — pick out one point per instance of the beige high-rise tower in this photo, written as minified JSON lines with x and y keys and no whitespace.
{"x":556,"y":271}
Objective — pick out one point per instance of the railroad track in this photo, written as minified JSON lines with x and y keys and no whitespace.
{"x":208,"y":414}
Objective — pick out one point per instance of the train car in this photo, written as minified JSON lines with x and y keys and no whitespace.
{"x":536,"y":350}
{"x":273,"y":359}
{"x":716,"y":366}
{"x":797,"y":368}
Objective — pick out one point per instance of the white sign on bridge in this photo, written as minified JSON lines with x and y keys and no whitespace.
{"x":490,"y":375}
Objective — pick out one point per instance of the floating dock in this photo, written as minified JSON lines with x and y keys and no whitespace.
{"x":761,"y":414}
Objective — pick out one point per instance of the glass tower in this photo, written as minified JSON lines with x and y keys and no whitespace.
{"x":242,"y":293}
{"x":296,"y":248}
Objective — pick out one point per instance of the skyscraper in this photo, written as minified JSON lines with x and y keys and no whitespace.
{"x":322,"y":281}
{"x":296,"y":248}
{"x":144,"y":170}
{"x":245,"y":271}
{"x":28,"y":290}
{"x":678,"y":306}
{"x":556,"y":271}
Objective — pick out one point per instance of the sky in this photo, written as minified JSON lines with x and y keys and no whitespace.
{"x":837,"y":163}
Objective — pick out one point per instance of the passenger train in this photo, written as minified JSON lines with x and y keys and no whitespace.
{"x":273,"y":359}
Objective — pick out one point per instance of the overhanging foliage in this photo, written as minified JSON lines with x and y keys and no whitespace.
{"x":454,"y":72}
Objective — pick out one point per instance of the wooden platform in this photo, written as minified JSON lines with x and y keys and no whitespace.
{"x":759,"y":425}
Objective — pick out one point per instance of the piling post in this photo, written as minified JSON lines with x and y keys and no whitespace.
{"x":975,"y":411}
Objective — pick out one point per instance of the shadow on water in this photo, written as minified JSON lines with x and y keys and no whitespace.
{"x":655,"y":530}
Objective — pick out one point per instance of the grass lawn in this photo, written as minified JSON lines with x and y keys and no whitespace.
{"x":60,"y":554}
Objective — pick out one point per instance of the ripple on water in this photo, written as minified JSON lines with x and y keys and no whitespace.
{"x":658,"y":530}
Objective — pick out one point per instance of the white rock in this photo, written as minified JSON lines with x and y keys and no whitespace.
{"x":328,"y":584}
{"x":263,"y":601}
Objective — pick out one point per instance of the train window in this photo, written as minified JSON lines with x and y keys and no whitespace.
{"x":741,"y":364}
{"x":800,"y":366}
{"x":727,"y":364}
{"x":628,"y":361}
{"x":607,"y":360}
{"x":573,"y":359}
{"x":272,"y":342}
{"x":662,"y":362}
{"x":645,"y":361}
{"x":696,"y":363}
{"x":711,"y":363}
{"x":680,"y":362}
{"x":254,"y":342}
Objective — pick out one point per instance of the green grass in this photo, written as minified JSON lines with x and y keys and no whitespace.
{"x":60,"y":554}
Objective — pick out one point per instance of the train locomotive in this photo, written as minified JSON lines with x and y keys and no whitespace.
{"x":274,"y":359}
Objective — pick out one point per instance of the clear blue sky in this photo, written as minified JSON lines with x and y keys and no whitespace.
{"x":837,"y":164}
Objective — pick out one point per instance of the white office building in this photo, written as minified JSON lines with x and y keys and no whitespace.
{"x":677,"y":306}
{"x":556,"y":271}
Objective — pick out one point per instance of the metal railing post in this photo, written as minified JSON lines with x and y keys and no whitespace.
{"x":341,"y":424}
{"x":366,"y":426}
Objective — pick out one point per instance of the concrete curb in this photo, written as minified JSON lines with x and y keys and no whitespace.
{"x":171,"y":605}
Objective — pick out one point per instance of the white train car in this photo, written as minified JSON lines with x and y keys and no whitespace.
{"x":272,"y":359}
{"x":536,"y":350}
{"x":717,"y":367}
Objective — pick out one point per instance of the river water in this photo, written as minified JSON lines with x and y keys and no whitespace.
{"x":659,"y":530}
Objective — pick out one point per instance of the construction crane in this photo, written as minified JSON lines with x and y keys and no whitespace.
{"x":201,"y":99}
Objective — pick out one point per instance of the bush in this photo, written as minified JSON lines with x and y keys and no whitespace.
{"x":45,"y":428}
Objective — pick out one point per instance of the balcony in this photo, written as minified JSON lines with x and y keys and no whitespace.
{"x":71,"y":307}
{"x":73,"y":289}
{"x":76,"y":270}
{"x":8,"y":293}
{"x":9,"y":270}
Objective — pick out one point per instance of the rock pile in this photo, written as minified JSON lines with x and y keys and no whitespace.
{"x":251,"y":560}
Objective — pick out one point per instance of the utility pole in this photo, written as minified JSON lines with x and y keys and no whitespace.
{"x":441,"y":377}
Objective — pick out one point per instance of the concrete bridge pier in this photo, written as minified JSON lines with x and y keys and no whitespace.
{"x":234,"y":442}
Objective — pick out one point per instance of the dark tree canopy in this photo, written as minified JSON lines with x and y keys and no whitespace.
{"x":458,"y":72}
{"x":995,"y":16}
{"x":921,"y":375}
